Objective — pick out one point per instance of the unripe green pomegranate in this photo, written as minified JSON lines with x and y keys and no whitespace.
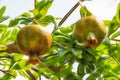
{"x":33,"y":40}
{"x":90,"y":31}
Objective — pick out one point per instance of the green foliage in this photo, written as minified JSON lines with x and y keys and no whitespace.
{"x":101,"y":63}
{"x":84,"y":12}
{"x":2,"y":11}
{"x":3,"y":18}
{"x":115,"y":23}
{"x":42,"y":8}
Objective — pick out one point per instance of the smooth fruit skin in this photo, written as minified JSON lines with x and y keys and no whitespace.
{"x":90,"y":31}
{"x":33,"y":40}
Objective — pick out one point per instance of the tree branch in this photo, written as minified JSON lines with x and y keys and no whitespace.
{"x":66,"y":16}
{"x":116,"y":40}
{"x":31,"y":75}
{"x":35,"y":4}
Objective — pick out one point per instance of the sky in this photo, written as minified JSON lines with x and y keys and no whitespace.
{"x":103,"y":9}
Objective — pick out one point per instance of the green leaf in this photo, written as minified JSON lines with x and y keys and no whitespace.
{"x":22,"y":73}
{"x":84,"y":12}
{"x":118,"y":13}
{"x":22,"y":64}
{"x":88,"y":56}
{"x":115,"y":23}
{"x":26,"y":14}
{"x":116,"y":34}
{"x":44,"y":5}
{"x":59,"y":38}
{"x":71,"y":76}
{"x":17,"y":57}
{"x":2,"y":10}
{"x":16,"y":67}
{"x":6,"y":77}
{"x":36,"y":13}
{"x":47,"y":20}
{"x":42,"y":8}
{"x":77,"y":52}
{"x":114,"y":51}
{"x":107,"y":22}
{"x":13,"y":73}
{"x":66,"y":70}
{"x":3,"y":27}
{"x":13,"y":34}
{"x":13,"y":22}
{"x":90,"y":68}
{"x":25,"y":21}
{"x":5,"y":35}
{"x":52,"y":61}
{"x":62,"y":52}
{"x":80,"y":70}
{"x":93,"y":76}
{"x":54,"y":77}
{"x":101,"y":59}
{"x":66,"y":29}
{"x":3,"y":18}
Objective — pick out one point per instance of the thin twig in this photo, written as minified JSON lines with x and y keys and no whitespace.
{"x":115,"y":59}
{"x":4,"y":71}
{"x":35,"y":4}
{"x":8,"y":56}
{"x":36,"y":70}
{"x":116,"y":40}
{"x":31,"y":75}
{"x":7,"y":71}
{"x":68,"y":14}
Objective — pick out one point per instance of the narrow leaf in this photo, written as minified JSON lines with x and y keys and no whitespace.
{"x":118,"y":13}
{"x":5,"y":35}
{"x":3,"y":26}
{"x":80,"y":70}
{"x":114,"y":25}
{"x":6,"y":77}
{"x":107,"y":22}
{"x":22,"y":73}
{"x":3,"y":18}
{"x":13,"y":22}
{"x":42,"y":8}
{"x":47,"y":20}
{"x":77,"y":52}
{"x":17,"y":57}
{"x":52,"y":61}
{"x":2,"y":10}
{"x":84,"y":12}
{"x":115,"y":35}
{"x":26,"y":14}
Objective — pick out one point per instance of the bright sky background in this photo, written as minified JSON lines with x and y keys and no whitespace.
{"x":103,"y":9}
